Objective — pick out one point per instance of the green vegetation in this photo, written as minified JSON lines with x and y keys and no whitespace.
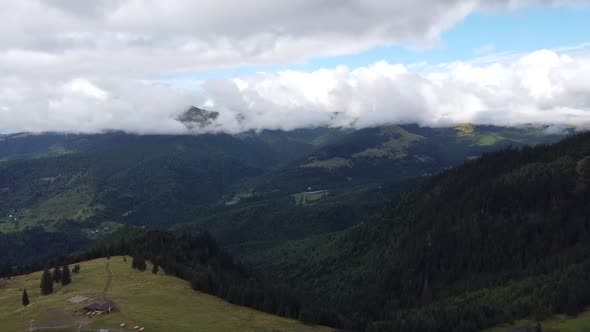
{"x":440,"y":257}
{"x":332,"y":163}
{"x":66,"y":277}
{"x":512,"y":216}
{"x":489,"y":139}
{"x":35,"y":246}
{"x":396,"y":145}
{"x":197,"y":258}
{"x":25,"y":298}
{"x":157,"y":302}
{"x":66,"y":182}
{"x":46,"y":283}
{"x":465,"y":129}
{"x":272,"y":219}
{"x":560,"y":323}
{"x":310,"y":197}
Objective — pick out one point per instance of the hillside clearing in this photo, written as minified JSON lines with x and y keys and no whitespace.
{"x":156,"y":302}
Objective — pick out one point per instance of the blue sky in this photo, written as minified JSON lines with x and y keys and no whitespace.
{"x":480,"y":34}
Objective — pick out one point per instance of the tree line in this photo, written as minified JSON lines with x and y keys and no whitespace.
{"x":198,"y":259}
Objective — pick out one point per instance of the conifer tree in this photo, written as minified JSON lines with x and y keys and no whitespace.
{"x":25,"y":298}
{"x":65,"y":275}
{"x":138,"y":263}
{"x":46,"y":283}
{"x":56,"y":274}
{"x":141,"y":265}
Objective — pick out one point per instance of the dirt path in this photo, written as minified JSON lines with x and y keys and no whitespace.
{"x":64,"y":321}
{"x":109,"y":282}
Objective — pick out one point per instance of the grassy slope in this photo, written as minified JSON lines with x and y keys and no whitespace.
{"x":158,"y":302}
{"x":561,"y":323}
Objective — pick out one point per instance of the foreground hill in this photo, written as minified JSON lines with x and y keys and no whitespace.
{"x":156,"y":302}
{"x":502,"y":237}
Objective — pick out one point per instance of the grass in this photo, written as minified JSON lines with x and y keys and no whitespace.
{"x":156,"y":302}
{"x":398,"y":142}
{"x":70,"y":204}
{"x":561,"y":323}
{"x":464,"y":129}
{"x":74,"y":204}
{"x":489,"y":140}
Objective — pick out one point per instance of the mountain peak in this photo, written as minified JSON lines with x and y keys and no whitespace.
{"x":195,"y":117}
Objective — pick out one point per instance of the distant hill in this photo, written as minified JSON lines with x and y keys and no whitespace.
{"x":381,"y":154}
{"x":29,"y":145}
{"x":239,"y":187}
{"x":131,"y":179}
{"x":502,"y":237}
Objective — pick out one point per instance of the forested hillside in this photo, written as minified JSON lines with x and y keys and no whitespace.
{"x":501,"y":237}
{"x":236,"y":186}
{"x":388,"y":153}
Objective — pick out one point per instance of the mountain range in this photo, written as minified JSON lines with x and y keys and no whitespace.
{"x":389,"y":228}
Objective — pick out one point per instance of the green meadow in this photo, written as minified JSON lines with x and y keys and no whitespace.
{"x":154,"y":302}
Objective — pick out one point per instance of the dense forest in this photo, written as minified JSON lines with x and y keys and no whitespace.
{"x":26,"y":251}
{"x":498,"y":238}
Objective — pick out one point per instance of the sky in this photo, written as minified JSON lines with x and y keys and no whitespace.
{"x":132,"y":65}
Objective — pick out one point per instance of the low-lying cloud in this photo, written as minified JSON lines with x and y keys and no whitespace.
{"x":543,"y":87}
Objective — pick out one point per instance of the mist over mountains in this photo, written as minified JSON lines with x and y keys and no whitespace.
{"x":541,"y":88}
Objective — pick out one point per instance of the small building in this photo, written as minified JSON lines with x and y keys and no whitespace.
{"x":108,"y":306}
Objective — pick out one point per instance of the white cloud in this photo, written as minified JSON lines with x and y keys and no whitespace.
{"x":69,"y":65}
{"x":543,"y":87}
{"x":134,"y":37}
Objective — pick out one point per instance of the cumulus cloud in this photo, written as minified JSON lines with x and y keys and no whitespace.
{"x":543,"y":87}
{"x":67,"y":65}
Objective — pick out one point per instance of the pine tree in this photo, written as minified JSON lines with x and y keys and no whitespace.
{"x":25,"y":298}
{"x":65,"y":275}
{"x":56,"y":274}
{"x":141,"y":265}
{"x":138,"y":263}
{"x":155,"y":269}
{"x":46,"y":283}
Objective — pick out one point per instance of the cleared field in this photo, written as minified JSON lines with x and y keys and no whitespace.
{"x":156,"y":302}
{"x":309,"y":197}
